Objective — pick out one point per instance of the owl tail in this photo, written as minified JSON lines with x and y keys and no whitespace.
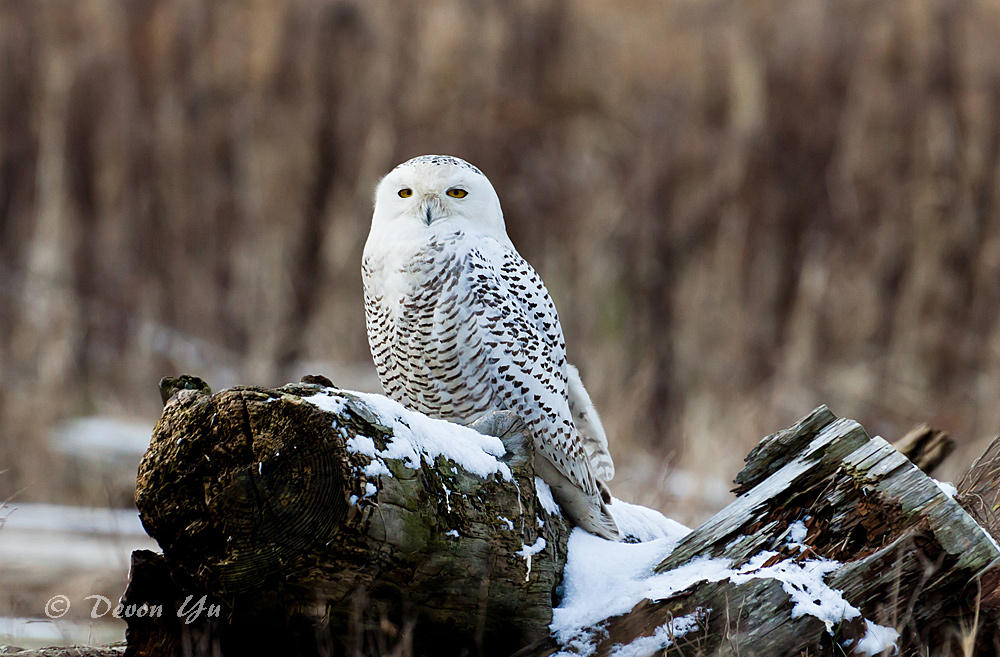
{"x":586,"y":510}
{"x":597,"y":520}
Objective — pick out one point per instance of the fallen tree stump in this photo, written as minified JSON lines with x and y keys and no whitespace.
{"x":320,"y":521}
{"x":313,"y":514}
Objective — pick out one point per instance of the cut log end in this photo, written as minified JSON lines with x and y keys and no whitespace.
{"x":278,"y":506}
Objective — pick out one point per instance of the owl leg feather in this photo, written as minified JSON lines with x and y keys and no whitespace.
{"x":498,"y":424}
{"x":588,"y":511}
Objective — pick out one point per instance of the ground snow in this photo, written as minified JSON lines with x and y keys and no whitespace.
{"x":65,"y":519}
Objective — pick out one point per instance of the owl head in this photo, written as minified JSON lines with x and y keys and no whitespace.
{"x":434,"y":193}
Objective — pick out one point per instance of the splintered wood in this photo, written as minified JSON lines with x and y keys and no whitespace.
{"x":897,"y":547}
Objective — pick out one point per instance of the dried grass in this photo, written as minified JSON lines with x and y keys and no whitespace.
{"x":742,"y":210}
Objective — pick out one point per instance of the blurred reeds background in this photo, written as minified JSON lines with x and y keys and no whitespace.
{"x":742,"y":210}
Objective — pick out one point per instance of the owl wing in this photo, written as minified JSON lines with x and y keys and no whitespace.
{"x":516,"y":321}
{"x":381,"y":330}
{"x":537,"y":303}
{"x":588,"y":422}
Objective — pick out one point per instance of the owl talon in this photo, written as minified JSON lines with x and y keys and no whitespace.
{"x":498,"y":424}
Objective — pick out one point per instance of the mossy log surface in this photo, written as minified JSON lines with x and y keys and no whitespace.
{"x":258,"y":502}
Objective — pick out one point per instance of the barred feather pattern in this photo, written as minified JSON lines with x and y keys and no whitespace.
{"x":475,"y":330}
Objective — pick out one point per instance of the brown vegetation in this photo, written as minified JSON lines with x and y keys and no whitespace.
{"x":742,"y":210}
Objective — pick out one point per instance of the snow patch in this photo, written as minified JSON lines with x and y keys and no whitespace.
{"x":332,"y":403}
{"x":946,"y":487}
{"x":644,"y":524}
{"x":876,"y":640}
{"x":662,"y":638}
{"x":796,"y":534}
{"x":527,"y":551}
{"x":803,"y":582}
{"x":418,"y":438}
{"x":545,"y":497}
{"x":362,"y":445}
{"x":507,"y":521}
{"x":377,"y":467}
{"x":453,"y":533}
{"x":603,"y":579}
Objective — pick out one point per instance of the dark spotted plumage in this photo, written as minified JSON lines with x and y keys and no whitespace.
{"x":469,"y":337}
{"x":460,"y":324}
{"x":440,"y":160}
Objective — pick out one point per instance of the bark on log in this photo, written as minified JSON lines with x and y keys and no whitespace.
{"x":259,"y":501}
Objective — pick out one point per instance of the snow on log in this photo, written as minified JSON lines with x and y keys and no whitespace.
{"x":324,"y":521}
{"x":836,"y":543}
{"x":310,"y":512}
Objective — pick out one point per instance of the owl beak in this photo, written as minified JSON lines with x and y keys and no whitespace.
{"x":430,"y":211}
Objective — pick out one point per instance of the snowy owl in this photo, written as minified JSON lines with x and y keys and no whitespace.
{"x":460,"y":325}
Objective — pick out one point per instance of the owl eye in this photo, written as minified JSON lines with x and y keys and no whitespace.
{"x":457,"y":192}
{"x":406,"y":192}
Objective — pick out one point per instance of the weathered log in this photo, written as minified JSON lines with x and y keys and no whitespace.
{"x":313,"y":520}
{"x":302,"y":514}
{"x":901,"y":551}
